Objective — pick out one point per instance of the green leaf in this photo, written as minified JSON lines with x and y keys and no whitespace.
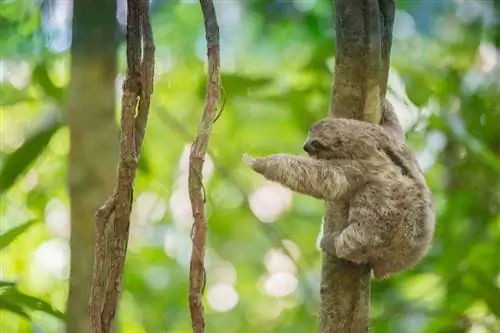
{"x":18,"y":161}
{"x":6,"y":305}
{"x":7,"y":237}
{"x":41,"y":76}
{"x":10,"y":95}
{"x":14,"y":296}
{"x":7,"y":284}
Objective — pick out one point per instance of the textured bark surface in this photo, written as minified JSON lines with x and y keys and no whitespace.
{"x":93,"y":140}
{"x":345,"y":287}
{"x":137,"y":90}
{"x":197,"y":276}
{"x":356,"y":90}
{"x":387,"y":11}
{"x":360,"y":80}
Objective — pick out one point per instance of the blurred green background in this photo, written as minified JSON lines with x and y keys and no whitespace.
{"x":262,"y":261}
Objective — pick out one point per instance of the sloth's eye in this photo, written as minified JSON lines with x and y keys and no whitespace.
{"x":316,"y":144}
{"x":337,"y":142}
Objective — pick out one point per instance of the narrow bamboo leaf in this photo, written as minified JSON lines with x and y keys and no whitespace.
{"x":30,"y":302}
{"x":18,"y":161}
{"x":9,"y":306}
{"x":7,"y":237}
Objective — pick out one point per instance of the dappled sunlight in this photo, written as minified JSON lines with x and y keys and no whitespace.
{"x":435,"y":142}
{"x":57,"y":218}
{"x":157,"y":277}
{"x":485,"y":72}
{"x":59,"y":145}
{"x":121,"y":12}
{"x":265,"y":312}
{"x":180,"y":206}
{"x":224,"y":273}
{"x":488,"y":57}
{"x":149,"y":208}
{"x":320,"y":234}
{"x":471,"y":10}
{"x":269,"y":201}
{"x":227,"y":195}
{"x":120,"y":77}
{"x":16,"y":71}
{"x":478,"y":316}
{"x":407,"y":112}
{"x":424,"y":288}
{"x":279,"y":284}
{"x":165,"y":61}
{"x":50,"y":260}
{"x":304,"y":6}
{"x":404,"y":26}
{"x":228,"y":14}
{"x":177,"y":245}
{"x":293,"y":249}
{"x":30,"y":181}
{"x":281,"y":280}
{"x":56,"y":24}
{"x":222,"y":297}
{"x":276,"y":261}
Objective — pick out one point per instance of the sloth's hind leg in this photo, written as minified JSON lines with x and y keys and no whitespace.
{"x":350,"y":244}
{"x":360,"y":240}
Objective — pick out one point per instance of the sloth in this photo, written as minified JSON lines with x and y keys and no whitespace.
{"x":368,"y":170}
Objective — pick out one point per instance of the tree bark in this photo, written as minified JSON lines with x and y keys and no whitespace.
{"x":356,"y":87}
{"x":93,"y":140}
{"x":136,"y":98}
{"x":197,"y":278}
{"x":360,"y":81}
{"x":387,"y":11}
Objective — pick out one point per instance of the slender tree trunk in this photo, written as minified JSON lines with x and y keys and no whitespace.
{"x":93,"y":140}
{"x":363,"y":32}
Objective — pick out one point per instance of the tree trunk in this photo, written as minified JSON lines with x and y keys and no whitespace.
{"x":93,"y":140}
{"x":360,"y":80}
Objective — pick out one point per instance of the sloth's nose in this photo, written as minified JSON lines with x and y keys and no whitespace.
{"x":308,"y":147}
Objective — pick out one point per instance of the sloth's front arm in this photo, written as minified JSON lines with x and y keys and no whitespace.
{"x":319,"y":179}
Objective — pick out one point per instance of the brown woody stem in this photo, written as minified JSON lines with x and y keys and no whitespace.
{"x":137,"y":90}
{"x":197,"y":276}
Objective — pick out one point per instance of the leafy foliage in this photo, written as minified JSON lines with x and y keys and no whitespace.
{"x":13,"y":300}
{"x":7,"y":237}
{"x":16,"y":163}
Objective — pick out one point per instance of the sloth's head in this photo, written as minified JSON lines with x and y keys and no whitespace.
{"x":339,"y":138}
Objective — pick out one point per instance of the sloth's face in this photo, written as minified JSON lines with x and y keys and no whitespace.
{"x":339,"y":138}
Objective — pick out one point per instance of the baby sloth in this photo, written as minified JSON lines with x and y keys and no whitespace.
{"x":359,"y":168}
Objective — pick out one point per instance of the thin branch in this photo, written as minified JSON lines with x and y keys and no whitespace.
{"x":196,"y":158}
{"x":137,"y":90}
{"x":126,"y":168}
{"x":97,"y":285}
{"x":147,"y":75}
